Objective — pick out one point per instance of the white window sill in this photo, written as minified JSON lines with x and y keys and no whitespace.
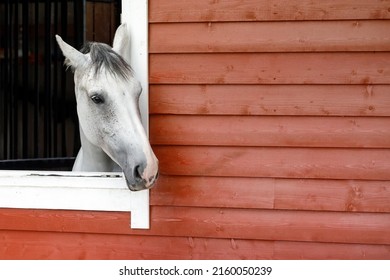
{"x":73,"y":191}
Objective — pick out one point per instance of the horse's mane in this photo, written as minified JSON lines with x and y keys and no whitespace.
{"x":103,"y":56}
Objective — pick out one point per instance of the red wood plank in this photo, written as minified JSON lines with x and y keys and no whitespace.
{"x":323,"y":251}
{"x":338,"y":227}
{"x":319,"y":163}
{"x":297,"y":36}
{"x":269,"y":193}
{"x":337,"y":195}
{"x":267,"y":68}
{"x":201,"y":192}
{"x":270,"y":131}
{"x":54,"y":246}
{"x":265,"y":10}
{"x":314,"y":100}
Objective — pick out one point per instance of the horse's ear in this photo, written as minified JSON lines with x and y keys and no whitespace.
{"x":121,"y":44}
{"x":74,"y":58}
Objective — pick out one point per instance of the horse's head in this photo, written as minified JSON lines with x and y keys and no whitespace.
{"x":107,"y":95}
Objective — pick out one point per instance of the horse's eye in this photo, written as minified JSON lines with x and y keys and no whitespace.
{"x":97,"y":99}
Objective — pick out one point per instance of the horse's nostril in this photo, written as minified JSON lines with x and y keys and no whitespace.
{"x":138,"y":171}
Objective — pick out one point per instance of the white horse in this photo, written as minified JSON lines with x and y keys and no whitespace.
{"x":107,"y":94}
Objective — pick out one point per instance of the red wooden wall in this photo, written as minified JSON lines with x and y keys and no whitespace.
{"x":271,"y":123}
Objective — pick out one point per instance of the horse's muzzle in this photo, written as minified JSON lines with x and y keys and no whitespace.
{"x":137,"y":183}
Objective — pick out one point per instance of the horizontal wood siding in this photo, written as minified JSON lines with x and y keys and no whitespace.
{"x":275,"y":162}
{"x":271,"y":131}
{"x":299,"y":36}
{"x":268,"y":68}
{"x":264,"y":10}
{"x":273,"y":108}
{"x":271,"y":121}
{"x":108,"y":246}
{"x":259,"y":224}
{"x":275,"y":100}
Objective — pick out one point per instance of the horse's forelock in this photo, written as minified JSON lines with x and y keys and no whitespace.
{"x":103,"y":57}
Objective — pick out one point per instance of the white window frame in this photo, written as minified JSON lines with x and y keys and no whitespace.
{"x":91,"y":191}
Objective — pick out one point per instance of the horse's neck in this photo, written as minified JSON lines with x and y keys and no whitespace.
{"x":93,"y":158}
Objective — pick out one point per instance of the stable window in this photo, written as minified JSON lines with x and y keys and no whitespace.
{"x":22,"y":101}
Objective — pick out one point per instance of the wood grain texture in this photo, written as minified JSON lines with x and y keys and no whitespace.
{"x":272,"y":193}
{"x":62,"y":246}
{"x":270,"y":131}
{"x":265,"y":10}
{"x":308,"y":226}
{"x":300,"y":36}
{"x":279,"y":100}
{"x":96,"y":13}
{"x":266,"y":68}
{"x":320,"y":163}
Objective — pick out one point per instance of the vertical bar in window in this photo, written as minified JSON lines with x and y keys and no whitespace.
{"x":64,"y":31}
{"x":47,"y":75}
{"x":15,"y":82}
{"x":55,"y":83}
{"x":5,"y":83}
{"x":36,"y":83}
{"x":25,"y":78}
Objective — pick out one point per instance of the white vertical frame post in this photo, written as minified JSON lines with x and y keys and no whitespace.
{"x":135,"y":14}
